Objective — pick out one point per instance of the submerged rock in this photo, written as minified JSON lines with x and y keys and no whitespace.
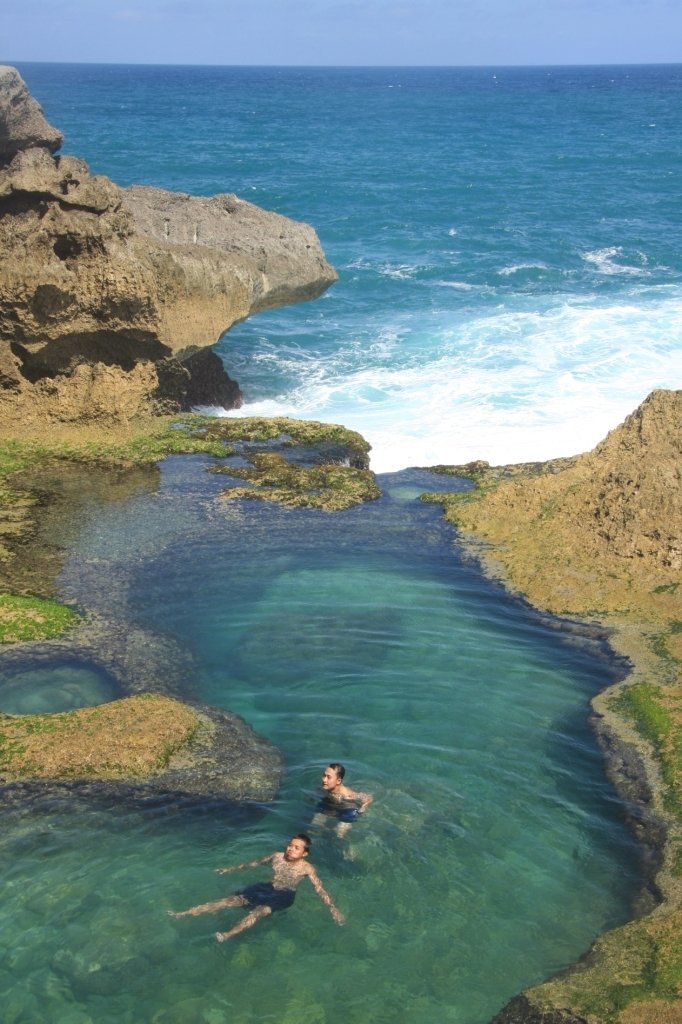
{"x":144,"y":745}
{"x":107,"y":295}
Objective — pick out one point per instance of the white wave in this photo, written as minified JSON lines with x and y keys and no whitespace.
{"x":506,"y":271}
{"x":461,"y":285}
{"x":403,"y":272}
{"x":513,"y":385}
{"x":602,"y":259}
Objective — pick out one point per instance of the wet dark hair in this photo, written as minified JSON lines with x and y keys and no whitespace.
{"x":339,"y":769}
{"x":306,"y":840}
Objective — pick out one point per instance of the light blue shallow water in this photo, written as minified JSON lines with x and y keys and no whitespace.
{"x":494,"y":852}
{"x":509,"y":240}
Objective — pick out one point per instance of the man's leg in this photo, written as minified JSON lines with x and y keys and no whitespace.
{"x":246,"y":922}
{"x":210,"y":908}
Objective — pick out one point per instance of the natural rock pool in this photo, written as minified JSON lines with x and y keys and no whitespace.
{"x":495,"y":850}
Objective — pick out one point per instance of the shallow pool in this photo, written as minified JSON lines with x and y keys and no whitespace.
{"x":494,"y":851}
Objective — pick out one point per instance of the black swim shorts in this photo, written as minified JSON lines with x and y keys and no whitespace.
{"x":337,"y":811}
{"x":264,"y":894}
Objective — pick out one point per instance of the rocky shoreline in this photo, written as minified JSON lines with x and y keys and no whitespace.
{"x":596,"y":538}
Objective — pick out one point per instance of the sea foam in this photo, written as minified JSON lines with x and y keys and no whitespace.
{"x":515,"y":384}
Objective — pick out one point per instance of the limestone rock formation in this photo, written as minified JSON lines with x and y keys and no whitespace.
{"x":22,"y":124}
{"x":613,"y":514}
{"x":107,"y":296}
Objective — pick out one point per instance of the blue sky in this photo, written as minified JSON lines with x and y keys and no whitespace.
{"x":393,"y":32}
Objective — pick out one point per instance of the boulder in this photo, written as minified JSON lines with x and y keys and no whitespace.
{"x":107,"y":295}
{"x":22,"y":124}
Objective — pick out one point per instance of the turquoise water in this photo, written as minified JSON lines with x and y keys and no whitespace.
{"x":509,"y":240}
{"x":494,"y":851}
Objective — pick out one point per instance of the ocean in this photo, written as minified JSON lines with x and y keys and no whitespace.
{"x":508,"y":240}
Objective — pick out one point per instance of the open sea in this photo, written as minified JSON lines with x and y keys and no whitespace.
{"x":509,"y":240}
{"x":509,"y":244}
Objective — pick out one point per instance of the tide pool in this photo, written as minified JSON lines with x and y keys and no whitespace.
{"x":493,"y":854}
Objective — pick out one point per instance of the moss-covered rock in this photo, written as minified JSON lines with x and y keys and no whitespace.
{"x":327,"y":487}
{"x":145,"y":745}
{"x":305,"y":432}
{"x":130,"y":737}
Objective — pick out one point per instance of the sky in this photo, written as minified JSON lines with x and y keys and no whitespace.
{"x":336,"y":32}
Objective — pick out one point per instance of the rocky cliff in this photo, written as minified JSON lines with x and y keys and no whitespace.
{"x":111,"y":298}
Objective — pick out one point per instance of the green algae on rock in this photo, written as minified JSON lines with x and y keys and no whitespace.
{"x":145,"y":745}
{"x":129,"y":737}
{"x":306,"y":432}
{"x":329,"y":487}
{"x":32,"y":618}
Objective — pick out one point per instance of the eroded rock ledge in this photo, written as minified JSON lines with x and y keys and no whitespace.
{"x":148,"y":745}
{"x":598,"y":537}
{"x":111,"y":298}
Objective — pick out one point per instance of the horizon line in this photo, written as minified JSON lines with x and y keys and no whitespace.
{"x":348,"y":67}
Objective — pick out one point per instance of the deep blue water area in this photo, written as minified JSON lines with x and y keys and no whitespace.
{"x":509,"y":240}
{"x":493,"y":854}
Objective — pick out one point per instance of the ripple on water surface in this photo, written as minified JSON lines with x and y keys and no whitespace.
{"x":494,"y":851}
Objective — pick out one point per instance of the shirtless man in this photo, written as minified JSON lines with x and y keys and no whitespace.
{"x":338,"y":801}
{"x":288,"y":871}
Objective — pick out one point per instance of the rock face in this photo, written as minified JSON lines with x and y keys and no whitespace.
{"x":22,"y":124}
{"x":108,"y":295}
{"x":613,"y":514}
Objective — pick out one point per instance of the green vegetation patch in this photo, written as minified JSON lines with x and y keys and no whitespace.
{"x":642,"y":702}
{"x":175,"y":437}
{"x":658,"y":717}
{"x":329,"y":487}
{"x":32,"y":618}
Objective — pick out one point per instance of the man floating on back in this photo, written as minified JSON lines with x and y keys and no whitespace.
{"x":289,"y":868}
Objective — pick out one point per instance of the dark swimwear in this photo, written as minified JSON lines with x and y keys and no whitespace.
{"x":337,"y":811}
{"x":264,"y":894}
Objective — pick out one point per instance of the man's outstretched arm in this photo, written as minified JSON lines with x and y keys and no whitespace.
{"x":324,"y":895}
{"x":246,"y":864}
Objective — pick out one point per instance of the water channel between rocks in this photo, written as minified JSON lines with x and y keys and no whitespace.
{"x":495,"y":850}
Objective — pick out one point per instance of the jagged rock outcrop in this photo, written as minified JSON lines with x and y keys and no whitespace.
{"x":107,"y":296}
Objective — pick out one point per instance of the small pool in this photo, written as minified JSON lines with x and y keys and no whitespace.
{"x":53,"y":688}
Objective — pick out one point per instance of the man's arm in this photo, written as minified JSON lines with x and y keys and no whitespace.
{"x":364,"y":798}
{"x":324,"y":895}
{"x":247,"y":864}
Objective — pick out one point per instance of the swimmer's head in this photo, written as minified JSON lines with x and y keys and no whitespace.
{"x":298,"y":847}
{"x":333,"y":776}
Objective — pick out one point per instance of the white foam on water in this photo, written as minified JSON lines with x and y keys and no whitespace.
{"x":512,"y":385}
{"x":507,"y":271}
{"x":602,"y":260}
